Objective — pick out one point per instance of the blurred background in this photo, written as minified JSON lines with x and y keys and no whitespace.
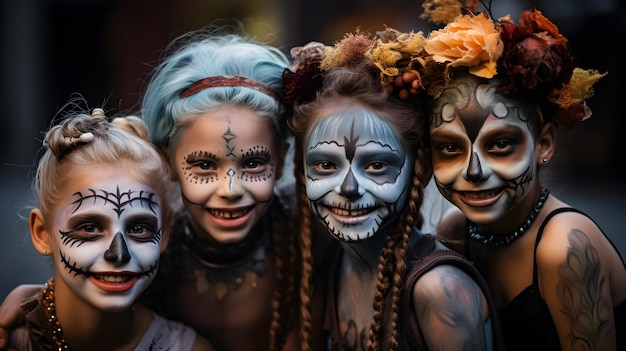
{"x":105,"y":50}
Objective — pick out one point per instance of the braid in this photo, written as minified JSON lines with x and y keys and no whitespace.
{"x":305,"y":249}
{"x":282,"y":302}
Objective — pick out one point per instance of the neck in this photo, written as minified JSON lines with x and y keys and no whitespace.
{"x":488,"y":235}
{"x":85,"y":325}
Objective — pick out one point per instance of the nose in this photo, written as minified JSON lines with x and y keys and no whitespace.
{"x":474,"y":172}
{"x":118,"y":250}
{"x":350,"y":186}
{"x":230,"y":185}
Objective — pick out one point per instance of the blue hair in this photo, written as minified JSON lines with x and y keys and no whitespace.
{"x":206,"y":56}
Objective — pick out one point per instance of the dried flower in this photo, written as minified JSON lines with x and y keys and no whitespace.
{"x":469,"y":41}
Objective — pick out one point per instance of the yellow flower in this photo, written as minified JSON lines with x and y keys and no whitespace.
{"x":469,"y":41}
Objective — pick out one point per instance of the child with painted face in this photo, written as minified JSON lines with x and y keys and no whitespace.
{"x":213,"y":106}
{"x":558,"y":281}
{"x":361,"y":165}
{"x":103,"y":218}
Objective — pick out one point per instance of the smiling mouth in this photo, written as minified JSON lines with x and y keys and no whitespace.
{"x":481,"y":195}
{"x":229,"y":214}
{"x":351,"y":213}
{"x":114,"y":278}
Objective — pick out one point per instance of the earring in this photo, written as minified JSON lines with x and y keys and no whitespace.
{"x":545,"y":160}
{"x":45,"y":252}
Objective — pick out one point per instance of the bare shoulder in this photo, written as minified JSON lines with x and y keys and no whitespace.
{"x":451,"y":310}
{"x":447,"y":287}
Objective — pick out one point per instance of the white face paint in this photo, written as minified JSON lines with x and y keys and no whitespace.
{"x":106,"y":237}
{"x":357,"y":174}
{"x":483,"y":150}
{"x":226,"y":165}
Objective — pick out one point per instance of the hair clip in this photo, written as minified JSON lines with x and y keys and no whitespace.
{"x":83,"y":138}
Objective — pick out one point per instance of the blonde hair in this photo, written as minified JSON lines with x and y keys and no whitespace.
{"x":81,"y":140}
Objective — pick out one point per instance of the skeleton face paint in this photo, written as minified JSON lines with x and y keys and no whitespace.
{"x":226,"y":167}
{"x":357,"y":174}
{"x":483,"y":149}
{"x":106,"y":238}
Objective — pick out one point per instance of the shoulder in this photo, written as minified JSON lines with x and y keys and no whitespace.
{"x":446,"y":284}
{"x":172,"y":335}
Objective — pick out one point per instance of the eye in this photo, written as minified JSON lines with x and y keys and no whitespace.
{"x":205,"y":165}
{"x":449,"y":150}
{"x":141,"y":231}
{"x":502,"y":147}
{"x":255,"y":165}
{"x":376,"y":167}
{"x":324,"y":167}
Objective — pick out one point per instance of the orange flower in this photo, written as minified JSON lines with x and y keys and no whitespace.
{"x":469,"y":41}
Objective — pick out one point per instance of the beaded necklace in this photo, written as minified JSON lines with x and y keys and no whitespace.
{"x":501,"y":240}
{"x":49,"y":309}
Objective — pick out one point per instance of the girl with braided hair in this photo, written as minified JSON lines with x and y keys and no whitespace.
{"x":361,"y":165}
{"x":103,"y":218}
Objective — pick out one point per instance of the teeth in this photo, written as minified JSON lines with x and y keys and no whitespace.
{"x":478,"y":195}
{"x":112,"y":278}
{"x":228,"y":214}
{"x":353,"y":213}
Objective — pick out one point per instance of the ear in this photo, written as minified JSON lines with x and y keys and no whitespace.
{"x":38,"y":232}
{"x":545,"y":144}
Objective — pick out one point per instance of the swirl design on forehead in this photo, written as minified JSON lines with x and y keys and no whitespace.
{"x":118,"y":199}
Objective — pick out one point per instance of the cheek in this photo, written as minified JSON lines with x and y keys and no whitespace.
{"x":262,"y":190}
{"x":198,"y":193}
{"x":145,"y":253}
{"x":83,"y":255}
{"x":447,"y":172}
{"x":514,"y":167}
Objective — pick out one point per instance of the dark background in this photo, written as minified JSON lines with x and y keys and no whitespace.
{"x":105,"y":50}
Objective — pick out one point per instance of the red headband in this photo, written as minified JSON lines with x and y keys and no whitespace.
{"x":228,"y":81}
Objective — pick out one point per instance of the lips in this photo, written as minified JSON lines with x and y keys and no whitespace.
{"x":229,"y":214}
{"x":354,"y":216}
{"x":114,"y":283}
{"x":481,"y":198}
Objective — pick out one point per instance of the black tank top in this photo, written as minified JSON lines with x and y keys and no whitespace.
{"x":526,"y":321}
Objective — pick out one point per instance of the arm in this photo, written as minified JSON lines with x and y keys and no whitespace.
{"x":451,"y":310}
{"x":11,"y":315}
{"x":574,"y":274}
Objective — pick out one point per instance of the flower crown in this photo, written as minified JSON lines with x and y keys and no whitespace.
{"x":530,"y":57}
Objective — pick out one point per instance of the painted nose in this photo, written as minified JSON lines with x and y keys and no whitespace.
{"x":118,"y":250}
{"x":230,"y":186}
{"x":350,"y":186}
{"x":474,"y":171}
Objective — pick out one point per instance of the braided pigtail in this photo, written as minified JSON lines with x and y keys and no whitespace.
{"x":285,"y":253}
{"x":306,"y":289}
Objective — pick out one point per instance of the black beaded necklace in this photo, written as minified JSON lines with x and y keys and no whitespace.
{"x":502,"y":240}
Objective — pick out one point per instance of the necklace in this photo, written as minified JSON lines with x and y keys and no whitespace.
{"x":47,"y":300}
{"x":501,"y":240}
{"x":225,"y":267}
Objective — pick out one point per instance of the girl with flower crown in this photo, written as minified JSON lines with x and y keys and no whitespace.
{"x":361,"y":165}
{"x":103,"y":218}
{"x":502,"y":92}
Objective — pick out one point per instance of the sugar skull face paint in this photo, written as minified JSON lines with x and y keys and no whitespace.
{"x":357,"y":174}
{"x":483,"y":149}
{"x":106,"y":239}
{"x":226,"y":165}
